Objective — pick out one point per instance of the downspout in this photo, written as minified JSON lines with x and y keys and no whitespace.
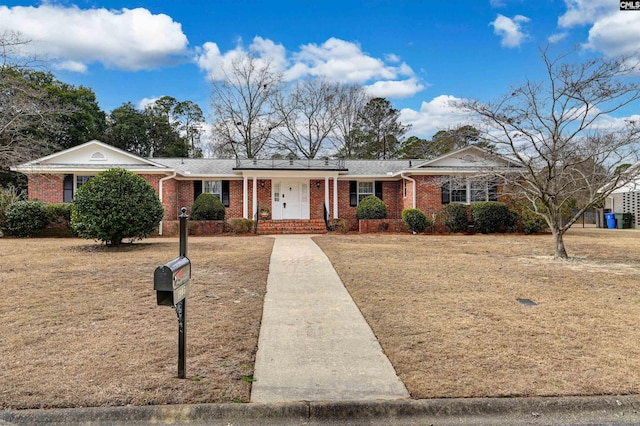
{"x":160,"y":189}
{"x":413,"y":197}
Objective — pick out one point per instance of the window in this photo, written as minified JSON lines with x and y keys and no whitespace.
{"x":71,"y":184}
{"x":364,"y":189}
{"x":464,"y":190}
{"x":81,"y":180}
{"x":213,"y":187}
{"x":219,"y":188}
{"x":458,"y":190}
{"x":478,"y":191}
{"x":360,"y":189}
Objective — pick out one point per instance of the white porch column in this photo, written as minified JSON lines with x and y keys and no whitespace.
{"x":245,"y":198}
{"x":335,"y":197}
{"x":326,"y":196}
{"x":255,"y":197}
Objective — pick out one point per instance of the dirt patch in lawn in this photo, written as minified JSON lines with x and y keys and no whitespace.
{"x":80,"y":324}
{"x":446,"y":310}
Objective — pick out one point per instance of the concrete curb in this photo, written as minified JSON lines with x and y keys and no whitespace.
{"x":539,"y":410}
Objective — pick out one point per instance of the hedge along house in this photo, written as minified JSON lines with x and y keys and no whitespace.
{"x":299,"y":195}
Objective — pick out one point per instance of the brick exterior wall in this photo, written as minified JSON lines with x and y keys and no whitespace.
{"x":177,"y":193}
{"x":428,"y":194}
{"x":46,"y":188}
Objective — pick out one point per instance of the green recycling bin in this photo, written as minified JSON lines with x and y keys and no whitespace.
{"x":623,"y":220}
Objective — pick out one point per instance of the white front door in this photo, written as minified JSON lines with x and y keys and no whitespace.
{"x":290,"y":199}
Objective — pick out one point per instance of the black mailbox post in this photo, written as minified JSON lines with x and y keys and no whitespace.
{"x":172,"y":282}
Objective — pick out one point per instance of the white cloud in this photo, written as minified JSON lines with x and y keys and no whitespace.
{"x":334,"y":60}
{"x":510,"y":30}
{"x":218,"y":64}
{"x":497,"y":3}
{"x":129,"y":39}
{"x":613,"y":32}
{"x":615,"y":35}
{"x":555,"y":38}
{"x":392,"y":58}
{"x":438,"y":114}
{"x":581,"y":12}
{"x":145,"y":102}
{"x":342,"y":61}
{"x":73,"y":66}
{"x":394,"y":89}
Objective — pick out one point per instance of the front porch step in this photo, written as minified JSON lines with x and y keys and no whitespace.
{"x":298,"y":226}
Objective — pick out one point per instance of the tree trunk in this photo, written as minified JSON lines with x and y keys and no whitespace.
{"x":558,"y":243}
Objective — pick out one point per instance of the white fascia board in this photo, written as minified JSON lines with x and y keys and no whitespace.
{"x":293,"y":174}
{"x":96,"y":143}
{"x":84,"y":170}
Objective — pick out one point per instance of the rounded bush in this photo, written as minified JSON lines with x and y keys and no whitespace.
{"x":415,"y":220}
{"x":207,"y":207}
{"x":8,"y":196}
{"x":455,"y":217}
{"x":493,"y":216}
{"x":114,"y":205}
{"x":25,"y":218}
{"x":371,"y":207}
{"x":532,"y":223}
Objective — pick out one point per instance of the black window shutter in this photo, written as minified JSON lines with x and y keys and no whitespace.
{"x":67,"y":188}
{"x":446,"y":193}
{"x":493,"y":190}
{"x":225,"y":193}
{"x":378,"y":189}
{"x":353,"y":193}
{"x":197,"y":188}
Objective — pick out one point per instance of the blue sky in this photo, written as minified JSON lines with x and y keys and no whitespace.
{"x":417,"y":54}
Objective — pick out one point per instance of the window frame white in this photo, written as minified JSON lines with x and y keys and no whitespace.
{"x":362,"y":194}
{"x":466,"y":187}
{"x":207,"y":183}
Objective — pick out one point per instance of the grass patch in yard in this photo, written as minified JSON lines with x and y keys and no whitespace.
{"x":445,"y":310}
{"x":80,"y":325}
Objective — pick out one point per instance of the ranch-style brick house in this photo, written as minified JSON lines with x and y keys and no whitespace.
{"x":296,"y":192}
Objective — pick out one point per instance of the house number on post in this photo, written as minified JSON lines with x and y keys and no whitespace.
{"x":172,"y":282}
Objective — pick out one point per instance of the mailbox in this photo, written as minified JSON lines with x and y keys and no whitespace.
{"x":171,"y":281}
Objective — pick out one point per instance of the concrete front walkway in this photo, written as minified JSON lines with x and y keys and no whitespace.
{"x":314,"y":344}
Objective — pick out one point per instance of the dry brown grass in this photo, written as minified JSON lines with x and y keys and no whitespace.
{"x":444,"y":309}
{"x":80,"y":325}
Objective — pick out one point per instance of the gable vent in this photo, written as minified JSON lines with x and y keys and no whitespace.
{"x":468,"y":157}
{"x":98,"y":156}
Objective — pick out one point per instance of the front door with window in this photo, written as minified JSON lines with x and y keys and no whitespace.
{"x":290,"y":199}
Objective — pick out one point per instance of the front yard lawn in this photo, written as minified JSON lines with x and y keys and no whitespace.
{"x":80,"y":325}
{"x":445,"y":310}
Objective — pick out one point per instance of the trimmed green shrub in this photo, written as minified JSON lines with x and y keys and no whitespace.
{"x":59,"y":220}
{"x":456,"y":218}
{"x":532,"y":223}
{"x":415,"y":220}
{"x":493,"y":216}
{"x":26,"y":217}
{"x":371,"y":207}
{"x":239,"y":225}
{"x":207,"y":207}
{"x":58,"y":212}
{"x":8,"y":196}
{"x":114,"y":205}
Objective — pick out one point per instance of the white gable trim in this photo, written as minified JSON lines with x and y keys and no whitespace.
{"x":483,"y":152}
{"x":100,"y":148}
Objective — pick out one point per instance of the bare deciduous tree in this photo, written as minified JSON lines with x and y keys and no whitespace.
{"x":351,"y":102}
{"x":308,"y":117}
{"x":241,"y":103}
{"x":561,"y":133}
{"x":24,"y":106}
